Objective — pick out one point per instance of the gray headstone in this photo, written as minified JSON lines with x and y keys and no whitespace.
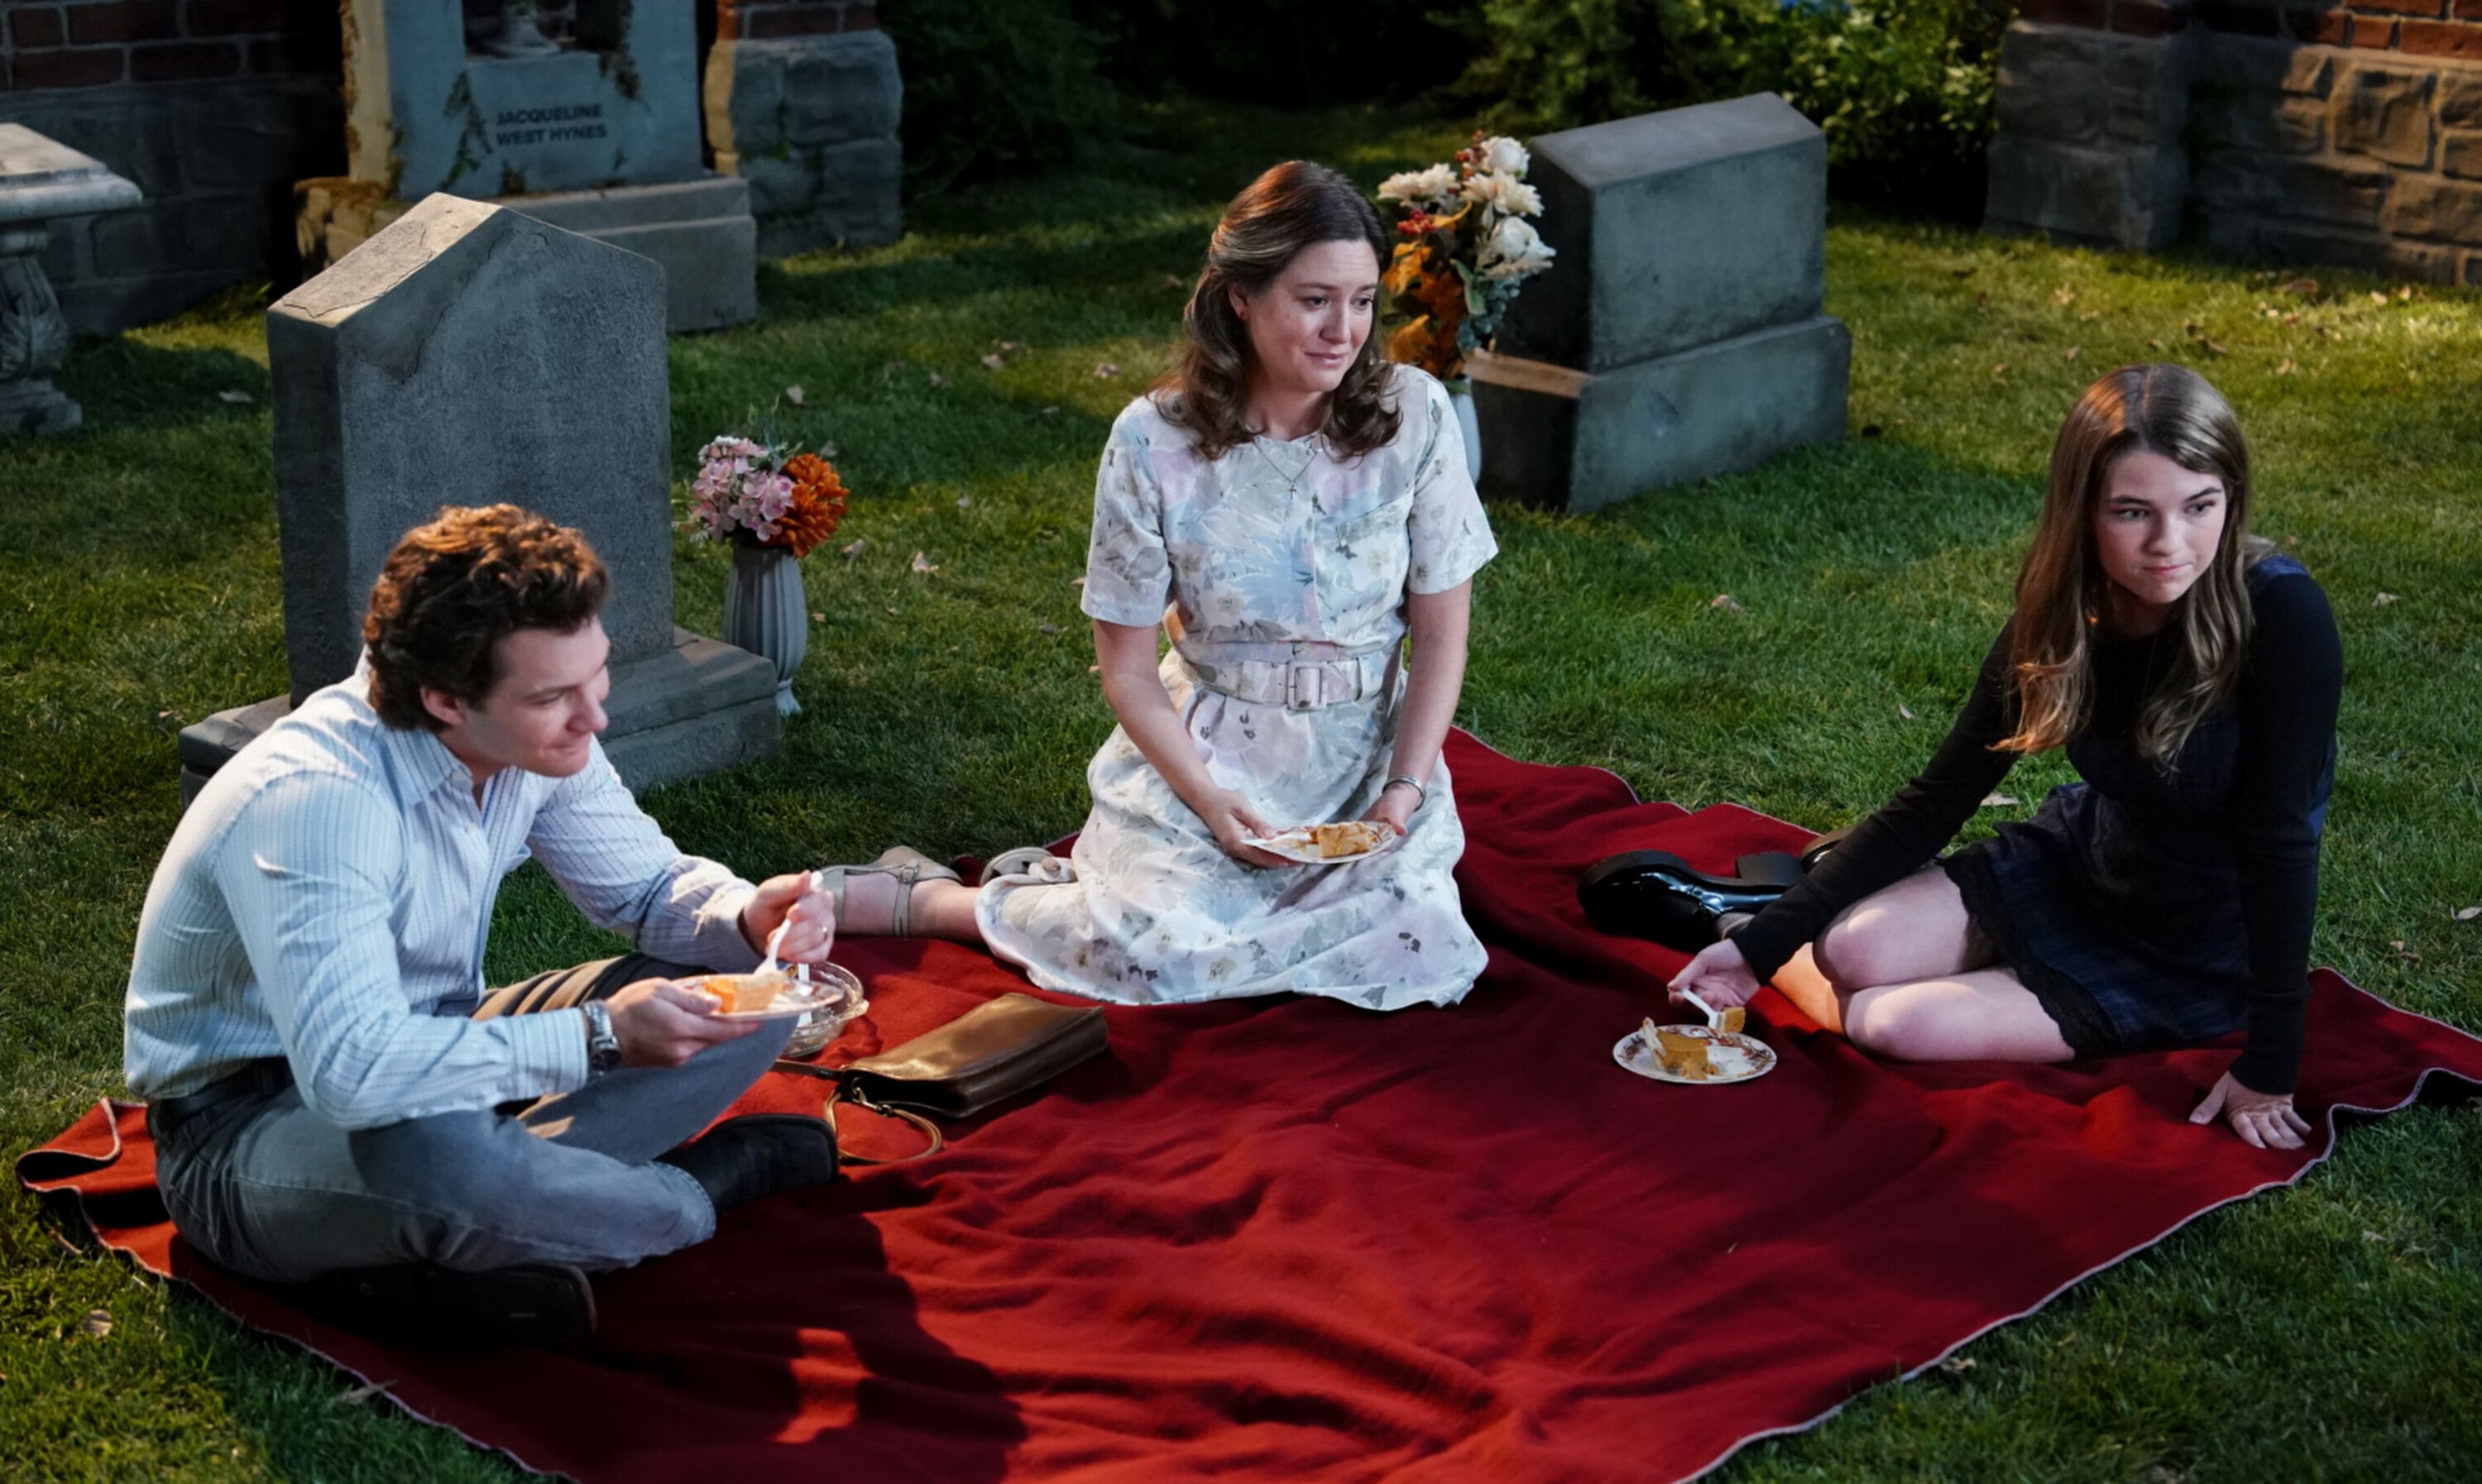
{"x":599,"y":135}
{"x":1713,"y":410}
{"x":1674,"y":230}
{"x":469,"y":355}
{"x":465,"y":355}
{"x":620,"y":106}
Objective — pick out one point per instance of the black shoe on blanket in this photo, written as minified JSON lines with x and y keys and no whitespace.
{"x":757,"y":1155}
{"x":421,"y":1304}
{"x":1656,"y":894}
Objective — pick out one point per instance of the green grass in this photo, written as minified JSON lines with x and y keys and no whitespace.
{"x":2330,"y":1332}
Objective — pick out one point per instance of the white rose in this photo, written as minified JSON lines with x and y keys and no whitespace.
{"x":1505,"y":156}
{"x":1498,"y":191}
{"x":1437,"y":183}
{"x":1514,"y":249}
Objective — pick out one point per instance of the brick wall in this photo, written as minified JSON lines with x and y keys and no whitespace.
{"x":2304,"y":132}
{"x":213,"y":107}
{"x":96,"y":43}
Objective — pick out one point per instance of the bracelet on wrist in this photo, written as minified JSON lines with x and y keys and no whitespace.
{"x":1421,"y":795}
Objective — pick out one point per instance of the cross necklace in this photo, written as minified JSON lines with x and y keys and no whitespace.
{"x":1292,"y":477}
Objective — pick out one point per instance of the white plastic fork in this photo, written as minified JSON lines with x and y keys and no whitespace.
{"x":1714,"y":1017}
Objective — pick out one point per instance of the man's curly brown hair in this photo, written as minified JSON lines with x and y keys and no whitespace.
{"x":453,"y":588}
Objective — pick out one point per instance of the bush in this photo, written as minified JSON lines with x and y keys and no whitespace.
{"x":1284,"y":52}
{"x":989,"y":89}
{"x":1902,"y":88}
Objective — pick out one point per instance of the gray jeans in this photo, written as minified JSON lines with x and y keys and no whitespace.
{"x":270,"y":1189}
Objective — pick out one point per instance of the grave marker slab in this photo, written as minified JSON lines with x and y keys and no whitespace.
{"x":470,"y":355}
{"x":41,"y":179}
{"x":1678,"y":336}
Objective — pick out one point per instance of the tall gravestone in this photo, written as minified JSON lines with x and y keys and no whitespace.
{"x":469,"y":355}
{"x":1680,"y":333}
{"x":597,"y":133}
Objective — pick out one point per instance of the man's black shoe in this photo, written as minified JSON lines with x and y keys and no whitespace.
{"x":760,"y":1154}
{"x":425,"y":1304}
{"x":1656,"y":894}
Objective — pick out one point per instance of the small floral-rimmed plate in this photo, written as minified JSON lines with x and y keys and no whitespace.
{"x":1296,"y":845}
{"x":1735,"y":1057}
{"x":831,"y":988}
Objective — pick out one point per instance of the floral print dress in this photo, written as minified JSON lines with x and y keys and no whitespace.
{"x":1289,"y":570}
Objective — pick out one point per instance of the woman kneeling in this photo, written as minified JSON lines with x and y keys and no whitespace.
{"x":2191,"y":673}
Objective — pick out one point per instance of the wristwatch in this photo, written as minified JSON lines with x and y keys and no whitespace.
{"x":602,"y":1047}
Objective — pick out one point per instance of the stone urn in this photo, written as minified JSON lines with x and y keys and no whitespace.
{"x":767,"y":613}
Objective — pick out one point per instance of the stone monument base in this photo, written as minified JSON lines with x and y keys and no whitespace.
{"x":698,"y":707}
{"x":1585,"y":441}
{"x":701,"y":231}
{"x":37,"y":407}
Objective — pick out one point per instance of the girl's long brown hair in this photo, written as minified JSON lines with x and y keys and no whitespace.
{"x":2061,"y":590}
{"x":1295,"y":205}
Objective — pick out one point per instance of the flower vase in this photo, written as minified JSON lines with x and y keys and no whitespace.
{"x":766,"y":612}
{"x":1461,"y":397}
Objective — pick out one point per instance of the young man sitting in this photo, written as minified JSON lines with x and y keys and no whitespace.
{"x":326,"y":1075}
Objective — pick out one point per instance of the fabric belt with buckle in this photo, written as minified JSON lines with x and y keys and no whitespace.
{"x":1304,"y":677}
{"x":257,"y":1080}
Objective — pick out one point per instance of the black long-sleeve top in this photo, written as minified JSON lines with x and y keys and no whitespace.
{"x":2234,"y":827}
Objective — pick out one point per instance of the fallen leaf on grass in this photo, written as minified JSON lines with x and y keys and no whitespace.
{"x":818,"y":618}
{"x":1049,"y":628}
{"x":964,"y":502}
{"x":2211,"y":348}
{"x":938,"y":380}
{"x":995,"y":361}
{"x":1725,"y":601}
{"x":2372,"y":1236}
{"x":892,"y":612}
{"x":2383,"y":599}
{"x":2154,"y":345}
{"x":2286,"y":368}
{"x":1093,"y":670}
{"x":1904,"y":711}
{"x":2405,"y":953}
{"x":236,"y":398}
{"x":1076,"y":582}
{"x":2467,"y":913}
{"x":855,"y":550}
{"x":2072,"y":353}
{"x":1173,"y":280}
{"x":2377,"y":297}
{"x":2000,"y":369}
{"x":1106,"y":370}
{"x":2000,"y":801}
{"x":1050,"y":412}
{"x":356,"y":1396}
{"x":1957,"y":1365}
{"x":98,"y":1323}
{"x":924,"y":565}
{"x":2302,"y":286}
{"x":796,"y":395}
{"x":2064,"y":296}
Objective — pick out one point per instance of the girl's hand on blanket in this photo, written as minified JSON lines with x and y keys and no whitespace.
{"x":1233,"y":822}
{"x":1718,"y":975}
{"x":661,"y":1024}
{"x":2262,"y":1119}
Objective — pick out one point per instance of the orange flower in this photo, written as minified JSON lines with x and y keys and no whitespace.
{"x":818,"y":508}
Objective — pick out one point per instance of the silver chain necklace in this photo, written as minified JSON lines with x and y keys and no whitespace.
{"x":1292,"y":477}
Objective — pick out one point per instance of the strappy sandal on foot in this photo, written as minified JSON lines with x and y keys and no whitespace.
{"x":909,"y":866}
{"x":1035,"y":861}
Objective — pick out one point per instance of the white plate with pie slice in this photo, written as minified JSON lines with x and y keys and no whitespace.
{"x":1731,"y":1056}
{"x":1299,"y":846}
{"x":792,"y":997}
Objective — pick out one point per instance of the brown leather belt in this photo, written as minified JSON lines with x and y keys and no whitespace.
{"x":255,"y":1079}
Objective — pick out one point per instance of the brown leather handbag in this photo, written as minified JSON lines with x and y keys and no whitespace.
{"x":993,"y":1052}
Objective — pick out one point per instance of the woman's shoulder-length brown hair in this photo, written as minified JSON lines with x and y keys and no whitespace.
{"x":1295,"y":205}
{"x":2061,"y":589}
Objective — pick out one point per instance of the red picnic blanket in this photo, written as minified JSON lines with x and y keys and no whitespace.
{"x":1288,"y":1239}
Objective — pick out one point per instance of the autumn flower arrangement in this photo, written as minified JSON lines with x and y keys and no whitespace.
{"x":752,"y":495}
{"x":1466,"y":248}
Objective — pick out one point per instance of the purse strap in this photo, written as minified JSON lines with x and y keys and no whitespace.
{"x":841,"y":1090}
